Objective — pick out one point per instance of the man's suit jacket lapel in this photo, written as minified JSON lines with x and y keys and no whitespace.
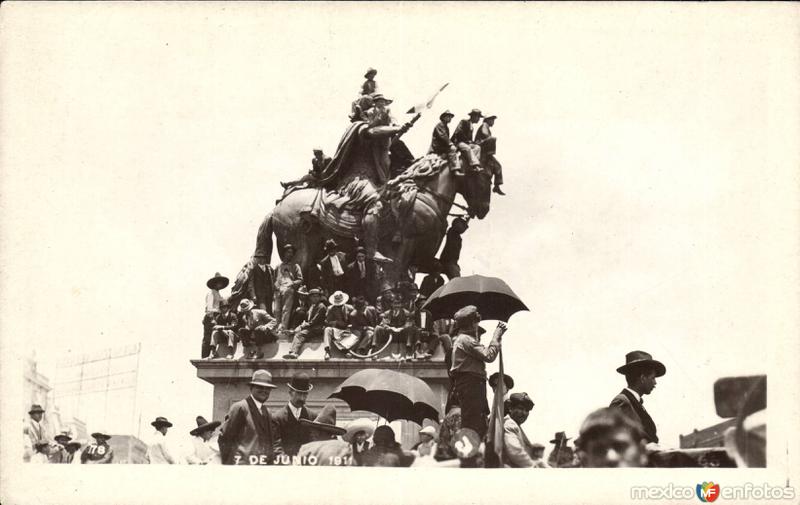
{"x":261,"y":422}
{"x":647,"y":422}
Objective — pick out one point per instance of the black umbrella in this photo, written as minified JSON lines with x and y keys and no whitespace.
{"x":492,"y":296}
{"x":391,"y":395}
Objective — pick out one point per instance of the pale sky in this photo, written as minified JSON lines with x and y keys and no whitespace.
{"x":651,"y":172}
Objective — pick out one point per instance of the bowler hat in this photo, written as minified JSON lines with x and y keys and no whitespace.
{"x":325,"y":421}
{"x":301,"y":382}
{"x":339,"y":298}
{"x":203,"y":425}
{"x":521,"y":399}
{"x":507,"y":380}
{"x":637,"y":359}
{"x":358,"y":425}
{"x":446,"y":113}
{"x":379,"y":96}
{"x":330,"y":244}
{"x":262,"y":378}
{"x":370,"y":72}
{"x":475,"y":112}
{"x":560,"y":437}
{"x":245,"y":305}
{"x":217,"y":282}
{"x":161,"y":421}
{"x":35,"y":408}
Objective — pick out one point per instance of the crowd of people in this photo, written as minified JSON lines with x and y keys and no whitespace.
{"x":346,"y":302}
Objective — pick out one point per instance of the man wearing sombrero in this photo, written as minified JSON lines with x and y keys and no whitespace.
{"x":640,"y":371}
{"x":213,"y":302}
{"x":158,"y":451}
{"x":324,"y":447}
{"x":98,"y":453}
{"x":206,"y":449}
{"x":287,"y":420}
{"x":337,"y":321}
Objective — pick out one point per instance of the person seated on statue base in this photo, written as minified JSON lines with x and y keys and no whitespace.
{"x":337,"y":324}
{"x":257,"y":328}
{"x":443,"y":146}
{"x":312,"y":327}
{"x":396,"y":324}
{"x":464,"y":139}
{"x":224,"y":331}
{"x":300,"y":311}
{"x":363,"y":320}
{"x":312,"y":178}
{"x":426,"y":341}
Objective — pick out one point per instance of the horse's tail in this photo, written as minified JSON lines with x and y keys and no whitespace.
{"x":264,"y":238}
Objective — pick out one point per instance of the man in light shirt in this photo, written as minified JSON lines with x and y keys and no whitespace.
{"x":206,"y":450}
{"x":332,"y":268}
{"x":464,"y":138}
{"x":288,"y":277}
{"x":158,"y":451}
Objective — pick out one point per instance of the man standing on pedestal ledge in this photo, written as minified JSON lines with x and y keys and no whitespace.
{"x":288,"y":277}
{"x":290,"y":433}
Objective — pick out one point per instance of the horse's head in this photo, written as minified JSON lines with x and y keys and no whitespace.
{"x":476,"y":188}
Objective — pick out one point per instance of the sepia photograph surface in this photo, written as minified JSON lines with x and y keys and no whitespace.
{"x":399,"y":252}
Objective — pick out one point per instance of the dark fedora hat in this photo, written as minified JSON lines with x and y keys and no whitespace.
{"x":325,"y":421}
{"x":203,"y":425}
{"x":641,"y":359}
{"x":35,"y":408}
{"x":301,"y":382}
{"x":161,"y":421}
{"x":507,"y":379}
{"x":62,"y":437}
{"x":219,"y":281}
{"x":475,"y":112}
{"x":560,"y":437}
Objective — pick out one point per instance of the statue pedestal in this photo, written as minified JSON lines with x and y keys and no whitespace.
{"x":230,"y":379}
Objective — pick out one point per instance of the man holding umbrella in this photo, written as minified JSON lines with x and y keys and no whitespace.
{"x":468,"y":370}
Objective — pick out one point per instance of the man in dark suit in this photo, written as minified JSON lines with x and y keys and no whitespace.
{"x":248,"y":437}
{"x":464,"y":138}
{"x":362,"y":277}
{"x":488,"y":143}
{"x":640,"y":371}
{"x":289,"y":431}
{"x":312,"y":327}
{"x":396,"y":324}
{"x":259,"y":286}
{"x":441,"y":144}
{"x":332,"y":268}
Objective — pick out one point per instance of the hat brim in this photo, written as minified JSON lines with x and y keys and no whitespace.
{"x":218,"y":283}
{"x":35,"y":411}
{"x":366,"y":427}
{"x":58,"y":438}
{"x":644,"y":363}
{"x":507,"y":379}
{"x":310,"y":387}
{"x":327,"y":428}
{"x":156,"y":424}
{"x":555,"y":441}
{"x":97,"y":434}
{"x":344,"y":300}
{"x":205,"y":427}
{"x":265,"y":384}
{"x":372,"y":73}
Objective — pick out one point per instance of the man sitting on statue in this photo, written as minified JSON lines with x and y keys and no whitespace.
{"x":363,"y":320}
{"x":257,"y":328}
{"x":224,"y":330}
{"x":337,"y":322}
{"x":464,"y":138}
{"x":442,"y":145}
{"x":361,"y":166}
{"x":397,"y":325}
{"x":488,"y":143}
{"x":311,"y":179}
{"x":425,"y":340}
{"x":312,"y":327}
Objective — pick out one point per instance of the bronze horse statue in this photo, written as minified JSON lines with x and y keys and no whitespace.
{"x":420,"y":232}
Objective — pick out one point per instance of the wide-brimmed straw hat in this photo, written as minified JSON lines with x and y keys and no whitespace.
{"x":357,"y":425}
{"x":637,"y":359}
{"x":446,"y":113}
{"x":101,"y":433}
{"x":219,"y":281}
{"x":338,"y":298}
{"x":245,"y":305}
{"x":203,"y":425}
{"x":379,"y":96}
{"x":475,"y":112}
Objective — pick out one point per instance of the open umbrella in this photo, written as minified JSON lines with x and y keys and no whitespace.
{"x":392,"y":395}
{"x":492,"y":296}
